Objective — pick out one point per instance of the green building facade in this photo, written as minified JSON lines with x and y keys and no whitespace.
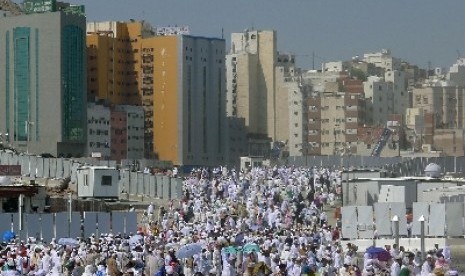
{"x":43,"y":82}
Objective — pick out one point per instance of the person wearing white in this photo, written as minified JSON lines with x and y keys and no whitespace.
{"x":395,"y":267}
{"x":426,"y":268}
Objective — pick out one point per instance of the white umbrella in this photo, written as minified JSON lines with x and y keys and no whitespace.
{"x":134,"y":240}
{"x":68,"y":241}
{"x":189,"y":250}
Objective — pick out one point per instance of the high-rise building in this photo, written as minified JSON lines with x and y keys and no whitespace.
{"x":115,"y":132}
{"x":98,"y":130}
{"x":43,"y":79}
{"x":135,"y":130}
{"x":333,"y":119}
{"x":178,"y":80}
{"x":444,"y":102}
{"x":189,"y":99}
{"x":251,"y":82}
{"x":114,"y":60}
{"x":290,"y":116}
{"x":120,"y":69}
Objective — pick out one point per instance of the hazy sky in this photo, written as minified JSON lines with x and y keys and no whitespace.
{"x":415,"y":30}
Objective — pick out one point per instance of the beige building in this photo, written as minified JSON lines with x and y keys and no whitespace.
{"x":386,"y":96}
{"x":321,"y":81}
{"x":449,"y":141}
{"x":383,"y":60}
{"x":333,"y":119}
{"x":251,"y":81}
{"x":290,"y":95}
{"x":444,"y":102}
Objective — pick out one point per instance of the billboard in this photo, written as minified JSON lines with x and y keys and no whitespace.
{"x":10,"y":170}
{"x":39,"y":6}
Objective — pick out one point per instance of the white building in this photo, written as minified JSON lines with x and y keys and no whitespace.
{"x":386,"y":96}
{"x":334,"y":66}
{"x":135,"y":131}
{"x":98,"y":130}
{"x":290,"y":93}
{"x":383,"y":60}
{"x":380,"y":100}
{"x":116,"y":129}
{"x":456,"y":73}
{"x":98,"y":182}
{"x":401,"y":98}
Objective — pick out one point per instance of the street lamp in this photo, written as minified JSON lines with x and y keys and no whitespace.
{"x":70,"y":212}
{"x":20,"y":214}
{"x":422,"y":237}
{"x":395,"y":220}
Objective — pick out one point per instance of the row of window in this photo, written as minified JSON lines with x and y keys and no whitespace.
{"x":201,"y":50}
{"x":99,"y":144}
{"x":95,"y":121}
{"x":98,"y":132}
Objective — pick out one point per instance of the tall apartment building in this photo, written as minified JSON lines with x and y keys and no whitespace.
{"x":380,"y":100}
{"x":386,"y":96}
{"x":135,"y":130}
{"x":400,"y":95}
{"x":110,"y":61}
{"x":251,"y":81}
{"x":290,"y":96}
{"x":177,"y":79}
{"x":43,"y":79}
{"x":189,"y":99}
{"x":333,"y":119}
{"x":120,"y":67}
{"x":444,"y":102}
{"x":98,"y":130}
{"x":115,"y":132}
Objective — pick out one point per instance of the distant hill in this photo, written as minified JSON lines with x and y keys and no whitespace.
{"x":8,"y":5}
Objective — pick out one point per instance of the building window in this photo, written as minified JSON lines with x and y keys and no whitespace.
{"x":106,"y":180}
{"x":72,"y":78}
{"x":86,"y":180}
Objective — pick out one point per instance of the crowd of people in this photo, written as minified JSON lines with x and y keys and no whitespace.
{"x":262,"y":221}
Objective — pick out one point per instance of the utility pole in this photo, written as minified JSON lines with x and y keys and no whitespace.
{"x":20,"y":214}
{"x":70,"y":211}
{"x":313,"y":60}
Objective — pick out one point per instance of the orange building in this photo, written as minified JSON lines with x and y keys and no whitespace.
{"x":178,"y":79}
{"x":115,"y":73}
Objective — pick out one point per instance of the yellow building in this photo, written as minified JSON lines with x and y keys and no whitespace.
{"x":178,"y":79}
{"x":111,"y":61}
{"x":189,"y":102}
{"x":117,"y":68}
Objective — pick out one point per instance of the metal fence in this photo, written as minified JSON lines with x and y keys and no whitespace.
{"x":368,"y":222}
{"x":148,"y":185}
{"x":134,"y":183}
{"x":61,"y":225}
{"x":401,"y":166}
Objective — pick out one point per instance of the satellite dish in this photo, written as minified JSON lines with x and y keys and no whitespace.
{"x":433,"y":170}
